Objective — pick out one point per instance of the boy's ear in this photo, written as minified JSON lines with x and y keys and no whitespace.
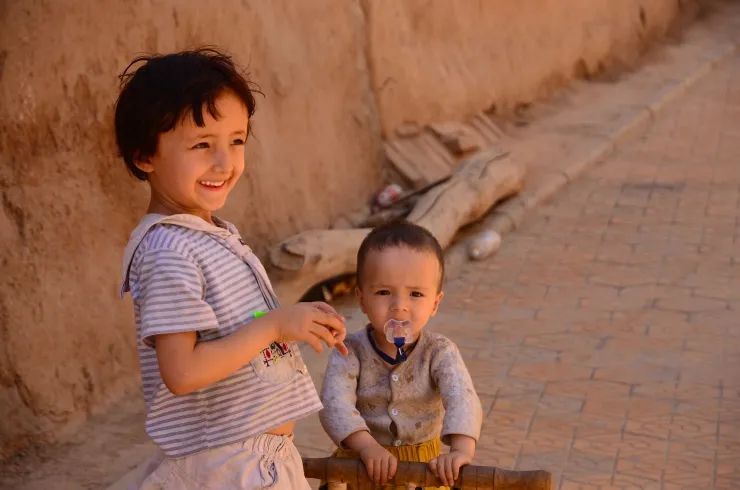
{"x":437,"y":301}
{"x":358,"y":295}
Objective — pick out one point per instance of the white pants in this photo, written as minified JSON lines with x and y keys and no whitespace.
{"x":263,"y":461}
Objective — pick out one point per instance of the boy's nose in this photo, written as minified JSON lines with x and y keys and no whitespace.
{"x":399,"y":305}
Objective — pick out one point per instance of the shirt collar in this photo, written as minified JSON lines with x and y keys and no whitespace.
{"x":390,"y":360}
{"x":146,"y":223}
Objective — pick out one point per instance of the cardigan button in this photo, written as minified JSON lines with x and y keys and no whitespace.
{"x":394,"y":411}
{"x":394,"y":377}
{"x":397,"y":442}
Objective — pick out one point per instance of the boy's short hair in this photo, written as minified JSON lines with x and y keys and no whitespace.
{"x":400,"y":234}
{"x":167,"y":88}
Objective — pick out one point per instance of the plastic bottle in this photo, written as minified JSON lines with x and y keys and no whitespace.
{"x":390,"y":194}
{"x":483,"y":244}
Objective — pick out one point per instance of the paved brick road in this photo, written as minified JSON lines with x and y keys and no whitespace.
{"x":604,"y":337}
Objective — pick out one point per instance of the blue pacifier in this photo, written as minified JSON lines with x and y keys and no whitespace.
{"x":398,"y":333}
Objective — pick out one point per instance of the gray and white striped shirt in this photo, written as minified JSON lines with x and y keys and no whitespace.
{"x":184,"y":275}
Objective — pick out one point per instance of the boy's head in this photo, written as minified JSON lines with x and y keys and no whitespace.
{"x":400,"y":269}
{"x":181,"y":122}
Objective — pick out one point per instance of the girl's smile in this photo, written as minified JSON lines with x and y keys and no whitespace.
{"x":195,"y":168}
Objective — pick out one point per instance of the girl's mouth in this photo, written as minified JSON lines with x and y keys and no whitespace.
{"x":212,"y":184}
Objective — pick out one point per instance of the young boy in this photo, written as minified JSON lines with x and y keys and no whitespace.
{"x":222,"y":375}
{"x":401,"y":387}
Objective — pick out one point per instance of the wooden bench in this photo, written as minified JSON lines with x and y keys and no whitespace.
{"x":352,"y":472}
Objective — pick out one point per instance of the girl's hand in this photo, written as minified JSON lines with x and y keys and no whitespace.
{"x":312,"y":323}
{"x":447,"y":466}
{"x":380,"y":464}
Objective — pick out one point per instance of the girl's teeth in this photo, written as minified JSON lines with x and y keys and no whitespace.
{"x":212,"y":184}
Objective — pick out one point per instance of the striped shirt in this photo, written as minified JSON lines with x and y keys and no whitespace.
{"x":187,"y":275}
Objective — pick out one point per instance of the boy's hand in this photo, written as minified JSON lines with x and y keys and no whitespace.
{"x":447,"y":466}
{"x":380,"y":464}
{"x":312,"y":323}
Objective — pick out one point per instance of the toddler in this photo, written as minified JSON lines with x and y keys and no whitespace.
{"x":401,"y":390}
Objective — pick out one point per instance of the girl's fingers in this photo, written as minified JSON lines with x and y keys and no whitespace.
{"x":393,"y":468}
{"x":342,"y":348}
{"x":331,"y":322}
{"x":332,"y":337}
{"x":314,"y":342}
{"x":328,"y":310}
{"x":322,"y":334}
{"x":328,"y":316}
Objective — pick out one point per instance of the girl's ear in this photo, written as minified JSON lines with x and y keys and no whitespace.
{"x":144,"y":164}
{"x":437,"y":301}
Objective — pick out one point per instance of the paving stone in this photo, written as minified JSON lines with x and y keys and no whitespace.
{"x":648,"y":465}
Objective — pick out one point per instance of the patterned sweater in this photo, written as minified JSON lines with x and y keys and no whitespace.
{"x":429,"y":395}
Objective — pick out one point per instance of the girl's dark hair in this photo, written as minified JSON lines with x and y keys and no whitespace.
{"x":400,"y":234}
{"x":163,"y":90}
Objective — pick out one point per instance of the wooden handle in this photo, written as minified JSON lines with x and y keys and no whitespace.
{"x":352,"y":472}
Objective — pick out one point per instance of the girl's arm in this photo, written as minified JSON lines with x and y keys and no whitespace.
{"x":187,"y":366}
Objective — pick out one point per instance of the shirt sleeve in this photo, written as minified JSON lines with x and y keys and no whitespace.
{"x":463,"y":413}
{"x":340,"y":417}
{"x":170,"y":291}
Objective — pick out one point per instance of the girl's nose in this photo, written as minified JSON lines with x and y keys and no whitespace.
{"x":221,"y":160}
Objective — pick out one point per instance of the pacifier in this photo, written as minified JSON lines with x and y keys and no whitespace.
{"x":398,"y":333}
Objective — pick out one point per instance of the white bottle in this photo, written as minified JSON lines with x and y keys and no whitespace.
{"x":483,"y":244}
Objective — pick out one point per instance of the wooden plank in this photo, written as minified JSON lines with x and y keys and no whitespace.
{"x":459,"y":138}
{"x":402,"y":164}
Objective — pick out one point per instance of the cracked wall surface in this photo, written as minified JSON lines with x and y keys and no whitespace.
{"x":335,"y":74}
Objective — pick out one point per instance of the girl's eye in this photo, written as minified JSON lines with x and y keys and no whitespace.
{"x":201,"y":146}
{"x":238,"y":142}
{"x":417,"y":294}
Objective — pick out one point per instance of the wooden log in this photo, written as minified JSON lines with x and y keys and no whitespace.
{"x":304,"y":260}
{"x":309,"y":258}
{"x":484,"y":179}
{"x":353,"y":473}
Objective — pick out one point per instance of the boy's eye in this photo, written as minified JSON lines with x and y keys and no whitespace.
{"x":238,"y":142}
{"x":200,"y":146}
{"x":382,"y":292}
{"x":417,"y":294}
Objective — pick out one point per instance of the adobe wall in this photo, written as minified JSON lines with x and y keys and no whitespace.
{"x":335,"y":75}
{"x":456,"y":58}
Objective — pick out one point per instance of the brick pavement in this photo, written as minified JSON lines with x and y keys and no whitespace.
{"x":604,"y":337}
